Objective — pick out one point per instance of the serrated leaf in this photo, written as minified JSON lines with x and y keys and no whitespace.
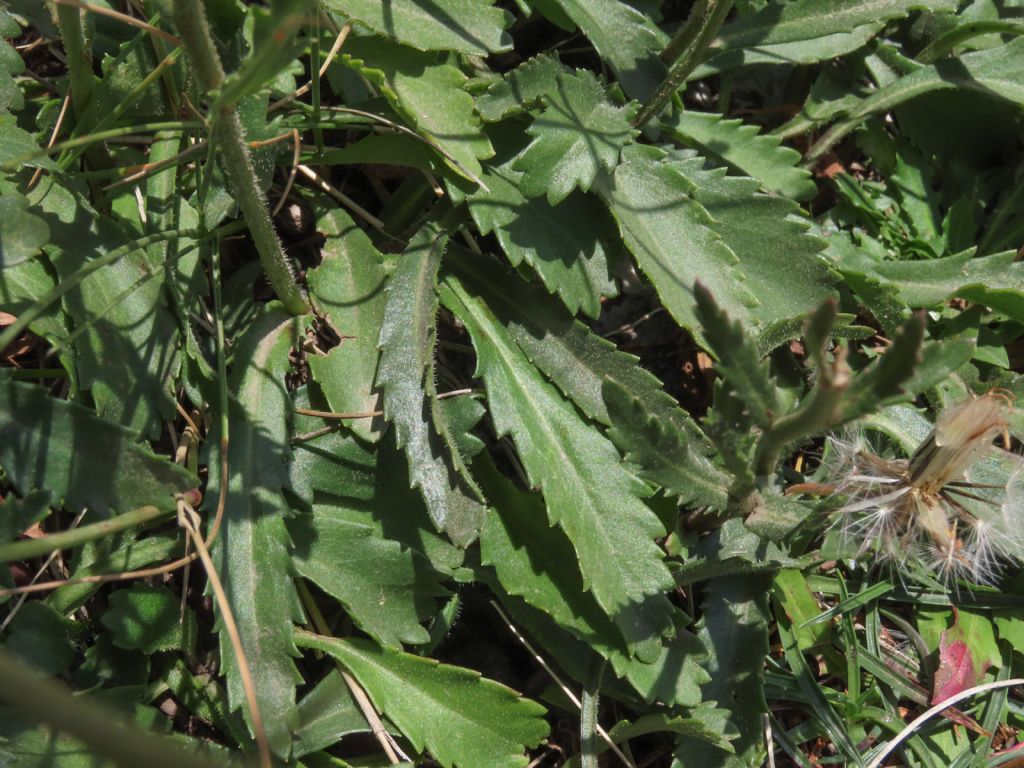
{"x":348,"y":288}
{"x":565,"y":244}
{"x":740,"y":364}
{"x":588,"y":492}
{"x":578,"y":134}
{"x":406,"y":377}
{"x":705,"y":722}
{"x":148,"y":618}
{"x":385,"y":588}
{"x":520,"y":89}
{"x":460,"y":718}
{"x":682,"y":223}
{"x":251,"y":553}
{"x":575,"y":358}
{"x":744,"y":148}
{"x":779,"y":256}
{"x":121,"y":308}
{"x":661,"y":453}
{"x":537,"y":563}
{"x":333,"y":463}
{"x":81,"y":458}
{"x":427,"y":91}
{"x":627,"y":39}
{"x":467,"y":26}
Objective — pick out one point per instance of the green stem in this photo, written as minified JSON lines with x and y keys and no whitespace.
{"x":38,"y":699}
{"x":590,"y":742}
{"x":79,"y":58}
{"x":190,"y":19}
{"x":708,"y":25}
{"x":816,"y":417}
{"x":686,"y":34}
{"x":21,"y":550}
{"x":72,"y":35}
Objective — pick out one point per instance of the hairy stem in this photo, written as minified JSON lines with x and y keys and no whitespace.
{"x":79,"y":56}
{"x":696,"y":35}
{"x":190,"y":19}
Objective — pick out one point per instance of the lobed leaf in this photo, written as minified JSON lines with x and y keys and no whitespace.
{"x":588,"y":492}
{"x":565,"y":244}
{"x":738,"y":360}
{"x":462,"y":719}
{"x":520,"y":89}
{"x":406,"y":377}
{"x":661,"y":453}
{"x":578,"y":134}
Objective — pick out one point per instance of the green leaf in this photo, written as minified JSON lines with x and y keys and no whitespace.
{"x":348,"y":288}
{"x":738,"y":360}
{"x":743,"y":148}
{"x":520,"y":89}
{"x":742,"y":245}
{"x":386,"y":588}
{"x":121,"y":311}
{"x":625,"y":38}
{"x":994,"y":71}
{"x":734,"y":629}
{"x":461,"y":718}
{"x":704,"y":722}
{"x":807,"y":19}
{"x":22,"y":234}
{"x":326,"y":714}
{"x":662,"y":453}
{"x":82,"y":459}
{"x":588,"y":492}
{"x":18,"y":515}
{"x":537,"y":563}
{"x":251,"y":553}
{"x":995,"y":281}
{"x":406,"y":376}
{"x":578,"y":134}
{"x":779,"y":256}
{"x":148,"y":618}
{"x":467,"y":26}
{"x":808,"y":51}
{"x":565,"y":243}
{"x":333,"y":463}
{"x":40,"y":637}
{"x":427,"y":92}
{"x":575,"y":358}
